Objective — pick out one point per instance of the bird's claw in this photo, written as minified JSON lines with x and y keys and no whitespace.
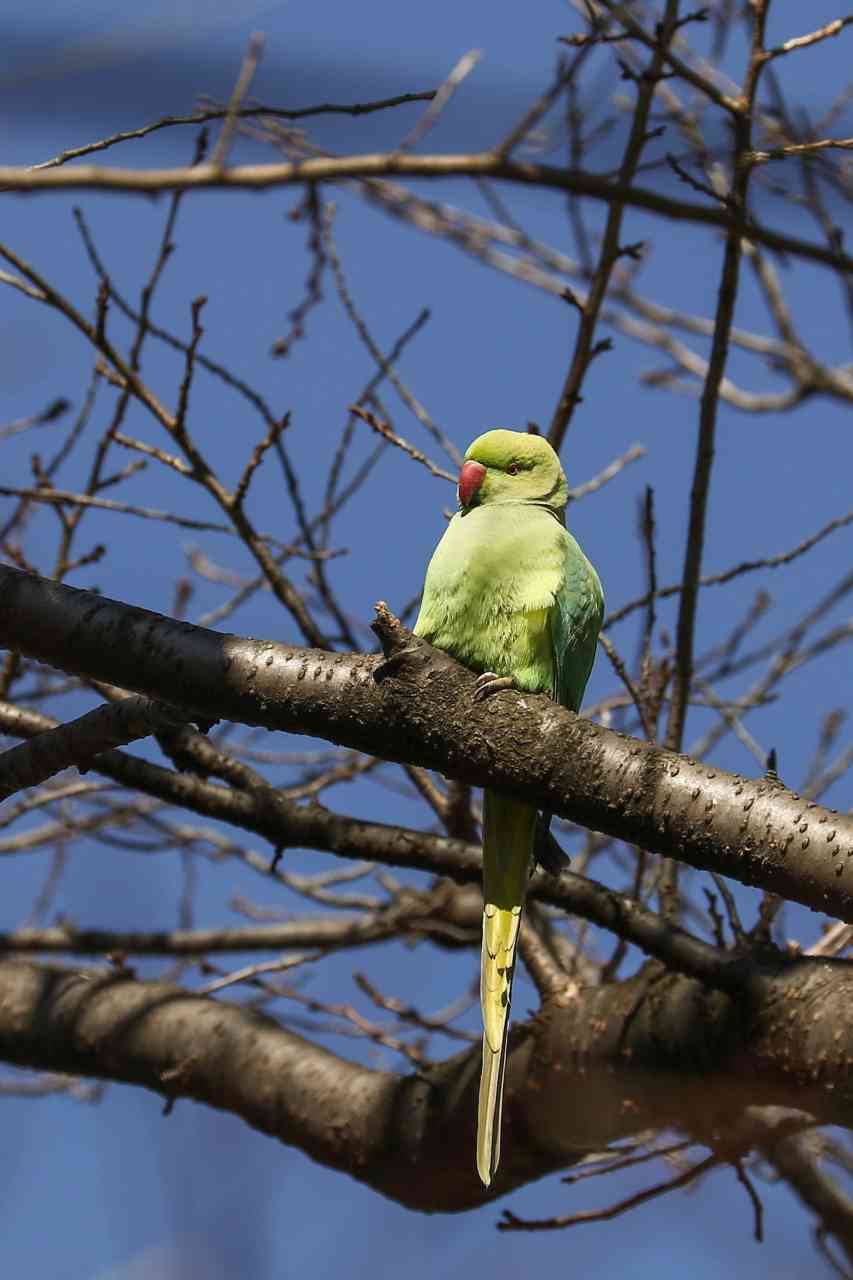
{"x":489,"y":683}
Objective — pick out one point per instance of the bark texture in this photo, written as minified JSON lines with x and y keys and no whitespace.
{"x":656,"y":1051}
{"x":416,"y":707}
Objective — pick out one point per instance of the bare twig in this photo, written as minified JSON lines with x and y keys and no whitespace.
{"x":382,"y":428}
{"x":729,"y":278}
{"x":411,"y":402}
{"x":251,"y":971}
{"x":442,"y":96}
{"x":511,"y":1222}
{"x":54,"y":410}
{"x":609,"y":472}
{"x":636,"y":695}
{"x":219,"y":113}
{"x":814,"y":37}
{"x":241,"y":88}
{"x":586,"y":348}
{"x":746,"y":566}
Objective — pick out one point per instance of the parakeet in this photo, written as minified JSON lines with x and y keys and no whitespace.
{"x":509,"y":593}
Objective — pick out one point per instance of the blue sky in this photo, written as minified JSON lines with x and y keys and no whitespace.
{"x":127,"y":1193}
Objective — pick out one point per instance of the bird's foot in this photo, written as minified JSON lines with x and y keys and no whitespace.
{"x":490,"y":682}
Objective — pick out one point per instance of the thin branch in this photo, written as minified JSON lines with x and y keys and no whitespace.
{"x":176,"y":427}
{"x":746,"y":566}
{"x":80,"y":741}
{"x":610,"y":1162}
{"x":733,"y":721}
{"x":382,"y":429}
{"x":54,"y":410}
{"x":586,"y":348}
{"x":511,"y":1222}
{"x":754,"y":1199}
{"x":549,"y":978}
{"x":798,"y":149}
{"x":411,"y":917}
{"x":411,"y":402}
{"x":837,"y":939}
{"x":705,"y":444}
{"x":218,"y":113}
{"x":683,"y":70}
{"x":814,"y":37}
{"x":440,"y":99}
{"x":251,"y":971}
{"x":635,"y":694}
{"x":409,"y":1014}
{"x":241,"y":88}
{"x":271,"y":438}
{"x":608,"y":473}
{"x":61,"y":497}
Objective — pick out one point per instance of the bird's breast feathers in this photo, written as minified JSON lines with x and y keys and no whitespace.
{"x":490,"y":588}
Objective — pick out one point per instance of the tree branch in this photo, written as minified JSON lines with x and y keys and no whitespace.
{"x":88,"y":177}
{"x":416,"y":708}
{"x":783,"y":1041}
{"x":78,"y":741}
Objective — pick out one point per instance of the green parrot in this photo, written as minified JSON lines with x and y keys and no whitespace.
{"x":509,"y":593}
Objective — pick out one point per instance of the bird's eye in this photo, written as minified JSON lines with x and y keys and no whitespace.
{"x":512,"y":469}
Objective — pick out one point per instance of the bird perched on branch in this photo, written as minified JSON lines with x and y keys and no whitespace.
{"x":509,"y":593}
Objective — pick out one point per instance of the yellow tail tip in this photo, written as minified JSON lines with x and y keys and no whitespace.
{"x":500,"y":934}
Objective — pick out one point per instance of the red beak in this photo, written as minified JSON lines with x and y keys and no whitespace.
{"x":471,"y":478}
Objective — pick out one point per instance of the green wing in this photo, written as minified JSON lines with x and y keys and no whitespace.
{"x":576,"y":619}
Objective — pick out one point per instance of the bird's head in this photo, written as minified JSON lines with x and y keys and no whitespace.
{"x":512,"y":466}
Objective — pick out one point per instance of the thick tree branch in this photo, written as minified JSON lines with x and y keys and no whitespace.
{"x":785,"y":1040}
{"x":182,"y":1045}
{"x":416,"y":708}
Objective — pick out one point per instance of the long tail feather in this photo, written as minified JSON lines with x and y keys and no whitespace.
{"x":508,"y":829}
{"x":497,"y":966}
